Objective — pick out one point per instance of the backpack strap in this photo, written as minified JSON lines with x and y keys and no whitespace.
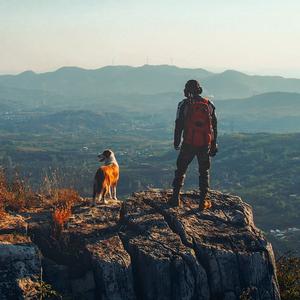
{"x":189,"y":102}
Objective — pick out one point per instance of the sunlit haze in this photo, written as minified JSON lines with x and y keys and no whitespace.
{"x":254,"y":36}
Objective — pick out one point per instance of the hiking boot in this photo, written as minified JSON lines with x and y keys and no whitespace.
{"x":175,"y":198}
{"x":202,"y":197}
{"x":204,"y":203}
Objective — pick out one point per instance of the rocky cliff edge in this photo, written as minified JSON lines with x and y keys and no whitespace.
{"x":141,"y":249}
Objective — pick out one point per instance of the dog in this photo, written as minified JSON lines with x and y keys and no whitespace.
{"x":106,"y":177}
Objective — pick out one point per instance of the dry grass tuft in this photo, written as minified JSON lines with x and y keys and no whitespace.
{"x":61,"y":215}
{"x":18,"y":196}
{"x":63,"y":201}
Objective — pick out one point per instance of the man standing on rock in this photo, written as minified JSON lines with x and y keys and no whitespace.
{"x":196,"y":119}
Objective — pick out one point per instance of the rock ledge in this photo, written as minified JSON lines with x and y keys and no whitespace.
{"x":143,"y":249}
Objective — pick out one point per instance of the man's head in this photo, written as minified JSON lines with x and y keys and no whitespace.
{"x":192,"y":88}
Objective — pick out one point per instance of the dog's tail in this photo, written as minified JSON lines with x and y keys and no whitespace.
{"x":98,"y":181}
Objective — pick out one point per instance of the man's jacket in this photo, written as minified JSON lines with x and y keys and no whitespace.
{"x":181,"y":117}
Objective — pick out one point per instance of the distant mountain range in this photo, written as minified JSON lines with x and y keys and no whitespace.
{"x":147,"y":79}
{"x":243,"y":102}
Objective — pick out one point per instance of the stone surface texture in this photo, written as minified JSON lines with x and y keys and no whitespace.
{"x":20,"y":260}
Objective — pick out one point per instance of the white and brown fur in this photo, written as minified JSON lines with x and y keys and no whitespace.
{"x":106,"y":177}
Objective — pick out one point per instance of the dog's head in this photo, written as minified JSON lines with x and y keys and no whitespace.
{"x":106,"y":155}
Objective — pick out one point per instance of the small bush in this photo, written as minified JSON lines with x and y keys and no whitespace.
{"x":60,"y":216}
{"x":46,"y":291}
{"x":16,"y":195}
{"x":24,"y":197}
{"x":36,"y":288}
{"x":288,"y":273}
{"x":64,"y":200}
{"x":6,"y":196}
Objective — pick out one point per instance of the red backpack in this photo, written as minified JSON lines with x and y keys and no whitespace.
{"x":198,"y":126}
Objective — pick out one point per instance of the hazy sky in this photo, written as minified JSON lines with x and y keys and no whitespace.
{"x":257,"y":36}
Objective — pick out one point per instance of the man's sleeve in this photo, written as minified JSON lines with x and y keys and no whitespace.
{"x":179,"y":124}
{"x":214,"y":121}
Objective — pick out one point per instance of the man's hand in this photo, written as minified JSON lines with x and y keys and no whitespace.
{"x":176,"y":147}
{"x":213,"y":150}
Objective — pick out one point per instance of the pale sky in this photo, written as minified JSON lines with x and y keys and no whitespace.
{"x":254,"y":36}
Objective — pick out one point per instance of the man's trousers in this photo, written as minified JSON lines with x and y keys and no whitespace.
{"x":185,"y":157}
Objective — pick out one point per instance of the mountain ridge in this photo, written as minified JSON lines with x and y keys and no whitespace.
{"x":148,"y":79}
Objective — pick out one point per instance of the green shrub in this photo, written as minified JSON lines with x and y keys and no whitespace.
{"x":288,"y":273}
